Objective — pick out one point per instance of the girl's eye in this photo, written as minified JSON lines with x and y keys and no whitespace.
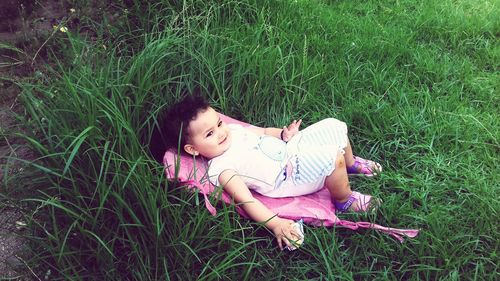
{"x":210,"y":133}
{"x":220,"y":123}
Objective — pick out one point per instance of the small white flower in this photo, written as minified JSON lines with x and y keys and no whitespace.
{"x":20,"y":225}
{"x":47,"y":274}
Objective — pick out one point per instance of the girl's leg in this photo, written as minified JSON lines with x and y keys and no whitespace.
{"x":357,"y":165}
{"x":348,"y":155}
{"x":338,"y":182}
{"x":344,"y":198}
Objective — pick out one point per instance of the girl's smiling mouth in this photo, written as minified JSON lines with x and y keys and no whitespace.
{"x":224,"y":140}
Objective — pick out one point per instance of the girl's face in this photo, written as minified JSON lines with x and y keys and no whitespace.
{"x":209,"y":136}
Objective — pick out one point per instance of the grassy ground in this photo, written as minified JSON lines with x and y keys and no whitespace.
{"x":417,"y":84}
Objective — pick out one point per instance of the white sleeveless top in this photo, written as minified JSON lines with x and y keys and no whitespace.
{"x":256,"y":159}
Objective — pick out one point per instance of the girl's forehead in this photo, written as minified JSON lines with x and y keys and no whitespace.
{"x":204,"y":121}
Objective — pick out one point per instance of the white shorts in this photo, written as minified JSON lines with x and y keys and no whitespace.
{"x":312,"y":154}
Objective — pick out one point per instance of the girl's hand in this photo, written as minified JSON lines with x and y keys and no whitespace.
{"x":291,"y":130}
{"x":284,"y":232}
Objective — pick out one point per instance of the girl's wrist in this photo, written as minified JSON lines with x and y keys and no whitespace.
{"x":273,"y":222}
{"x":281,"y":135}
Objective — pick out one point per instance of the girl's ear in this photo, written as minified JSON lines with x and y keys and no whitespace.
{"x":189,"y":148}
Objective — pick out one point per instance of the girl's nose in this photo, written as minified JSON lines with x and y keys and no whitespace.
{"x":221,"y":134}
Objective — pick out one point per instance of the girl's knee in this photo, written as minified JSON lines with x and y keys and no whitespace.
{"x":335,"y":124}
{"x":340,"y":160}
{"x":330,"y":121}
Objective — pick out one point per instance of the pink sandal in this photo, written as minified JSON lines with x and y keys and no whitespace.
{"x":364,"y":203}
{"x":364,"y":167}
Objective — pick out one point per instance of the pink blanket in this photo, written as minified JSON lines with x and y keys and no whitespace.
{"x":315,"y":209}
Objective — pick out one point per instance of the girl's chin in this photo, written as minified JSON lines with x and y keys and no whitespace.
{"x":225,"y":146}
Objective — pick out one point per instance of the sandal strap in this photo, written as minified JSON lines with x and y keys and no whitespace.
{"x":365,"y":167}
{"x":363,"y":202}
{"x":344,"y":206}
{"x":354,"y":168}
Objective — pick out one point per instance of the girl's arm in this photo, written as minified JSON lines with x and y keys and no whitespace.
{"x":275,"y":132}
{"x":284,"y":134}
{"x":282,"y":228}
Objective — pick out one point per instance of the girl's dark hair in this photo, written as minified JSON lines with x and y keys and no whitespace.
{"x":172,"y":125}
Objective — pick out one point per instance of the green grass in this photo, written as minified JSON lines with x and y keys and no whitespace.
{"x":417,"y":83}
